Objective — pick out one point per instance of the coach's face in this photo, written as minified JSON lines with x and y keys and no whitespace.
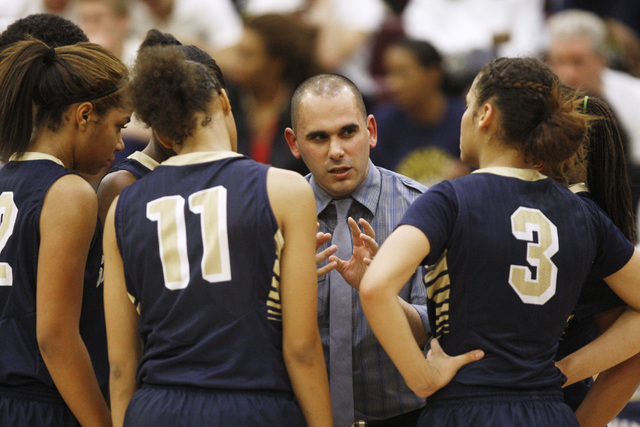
{"x":333,"y":138}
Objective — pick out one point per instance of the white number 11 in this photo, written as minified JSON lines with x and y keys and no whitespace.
{"x":168,"y":212}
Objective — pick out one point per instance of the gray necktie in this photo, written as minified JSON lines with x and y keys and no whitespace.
{"x":340,"y":330}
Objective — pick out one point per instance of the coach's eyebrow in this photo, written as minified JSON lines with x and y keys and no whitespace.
{"x":350,"y":127}
{"x":318,"y":134}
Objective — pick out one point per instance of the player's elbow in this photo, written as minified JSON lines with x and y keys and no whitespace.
{"x":303,"y":350}
{"x":370,"y":291}
{"x":51,"y":338}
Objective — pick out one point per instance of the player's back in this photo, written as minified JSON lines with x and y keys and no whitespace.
{"x":200,"y":247}
{"x":511,"y":273}
{"x":23,"y":188}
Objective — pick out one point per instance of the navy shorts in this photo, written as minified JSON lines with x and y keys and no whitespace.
{"x":516,"y":409}
{"x":155,"y":406}
{"x":34,"y":411}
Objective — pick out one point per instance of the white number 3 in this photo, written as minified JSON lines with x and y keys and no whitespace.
{"x":524,"y":222}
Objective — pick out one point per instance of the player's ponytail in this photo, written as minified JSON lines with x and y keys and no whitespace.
{"x":47,"y":80}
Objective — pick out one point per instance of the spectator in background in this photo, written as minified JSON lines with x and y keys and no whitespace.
{"x":12,"y":10}
{"x":274,"y":55}
{"x":345,"y":32}
{"x":578,"y":54}
{"x":419,"y":130}
{"x":106,"y":22}
{"x":345,"y":38}
{"x":212,"y":25}
{"x":468,"y":33}
{"x":625,"y":11}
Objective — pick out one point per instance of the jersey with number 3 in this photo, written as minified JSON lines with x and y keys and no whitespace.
{"x":510,"y":250}
{"x":200,"y":248}
{"x":23,"y":187}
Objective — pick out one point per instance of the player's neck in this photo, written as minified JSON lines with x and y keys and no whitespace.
{"x":213,"y":136}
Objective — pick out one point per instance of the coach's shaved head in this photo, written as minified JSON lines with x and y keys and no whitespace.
{"x":324,"y":85}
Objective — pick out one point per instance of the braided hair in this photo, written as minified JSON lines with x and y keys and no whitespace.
{"x":536,"y":117}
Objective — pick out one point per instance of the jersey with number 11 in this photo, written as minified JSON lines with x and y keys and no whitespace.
{"x":200,"y":248}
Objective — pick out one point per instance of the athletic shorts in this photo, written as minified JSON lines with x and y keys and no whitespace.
{"x":517,"y":409}
{"x":22,"y":410}
{"x":156,"y":406}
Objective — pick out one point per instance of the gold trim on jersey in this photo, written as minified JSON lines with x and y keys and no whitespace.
{"x":135,"y":302}
{"x":144,"y":159}
{"x":199,"y":157}
{"x":580,"y":187}
{"x":524,"y":174}
{"x":32,"y":155}
{"x":438,"y":285}
{"x":274,"y":304}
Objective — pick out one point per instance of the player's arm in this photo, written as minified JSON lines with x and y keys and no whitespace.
{"x":614,"y":387}
{"x":400,"y":256}
{"x":416,"y":308}
{"x":620,"y":341}
{"x":110,"y":186}
{"x":610,"y":393}
{"x":67,"y":224}
{"x":293,"y":204}
{"x":125,"y":345}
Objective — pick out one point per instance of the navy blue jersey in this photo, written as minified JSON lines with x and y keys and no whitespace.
{"x":23,"y":187}
{"x":596,"y":297}
{"x":510,"y":250}
{"x":200,"y":248}
{"x":137,"y":163}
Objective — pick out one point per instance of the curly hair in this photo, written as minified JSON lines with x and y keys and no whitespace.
{"x":193,"y":53}
{"x":167,"y":90}
{"x":51,"y":29}
{"x":536,"y":116}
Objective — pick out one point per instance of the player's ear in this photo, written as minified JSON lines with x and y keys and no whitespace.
{"x":166,"y":142}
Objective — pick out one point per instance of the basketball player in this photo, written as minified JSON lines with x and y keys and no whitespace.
{"x":61,"y":111}
{"x":217,"y":253}
{"x":598,"y":172}
{"x":140,"y":163}
{"x":509,"y":250}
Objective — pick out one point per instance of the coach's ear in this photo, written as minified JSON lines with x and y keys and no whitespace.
{"x":292,"y":142}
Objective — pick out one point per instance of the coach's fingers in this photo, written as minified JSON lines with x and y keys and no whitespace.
{"x":371,"y":244}
{"x":355,"y":231}
{"x":326,"y":268}
{"x":367,"y":228}
{"x":321,"y":256}
{"x":321,"y":239}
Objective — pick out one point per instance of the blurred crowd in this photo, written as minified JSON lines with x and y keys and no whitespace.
{"x":412,"y":59}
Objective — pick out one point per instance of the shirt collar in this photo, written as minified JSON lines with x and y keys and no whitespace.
{"x":367,"y":193}
{"x":33,"y":155}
